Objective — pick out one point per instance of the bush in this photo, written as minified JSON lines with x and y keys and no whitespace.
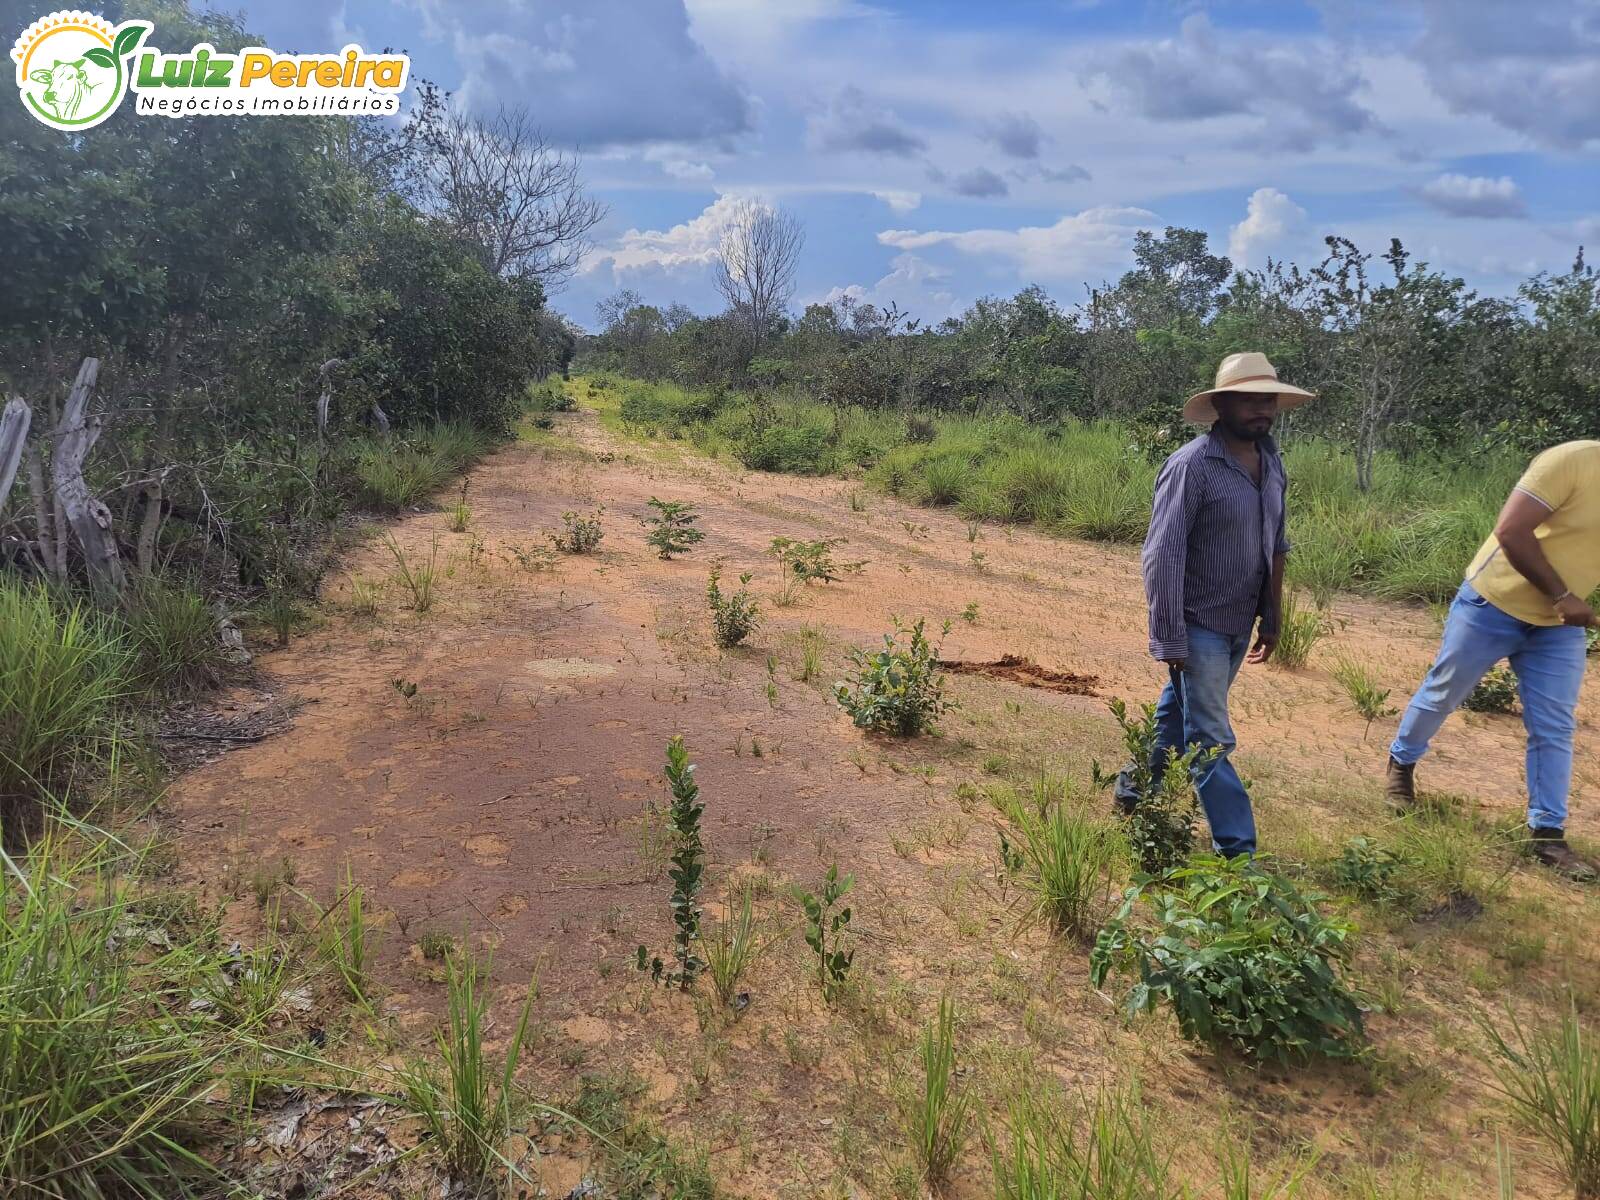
{"x":173,"y":636}
{"x":1371,"y":871}
{"x":1243,"y":958}
{"x":899,"y":689}
{"x":672,"y":528}
{"x":579,"y":534}
{"x":1496,"y":692}
{"x":735,"y":617}
{"x":63,"y":671}
{"x":1161,"y":825}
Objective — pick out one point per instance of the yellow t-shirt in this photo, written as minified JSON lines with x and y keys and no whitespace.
{"x":1566,"y":479}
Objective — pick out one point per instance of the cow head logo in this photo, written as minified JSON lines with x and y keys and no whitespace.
{"x":72,"y":67}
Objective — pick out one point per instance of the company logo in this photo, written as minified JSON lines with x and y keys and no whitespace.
{"x":74,"y":69}
{"x":71,"y":67}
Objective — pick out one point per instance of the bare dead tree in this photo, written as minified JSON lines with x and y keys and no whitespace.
{"x":755,"y":268}
{"x":505,"y":188}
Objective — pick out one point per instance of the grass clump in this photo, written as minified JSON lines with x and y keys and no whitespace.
{"x":416,"y":577}
{"x":937,"y":1116}
{"x":1299,"y":630}
{"x":1243,"y":958}
{"x":1369,"y":700}
{"x":1105,"y":1153}
{"x":111,"y":1054}
{"x":1063,"y":858}
{"x":173,"y":638}
{"x":1550,"y":1076}
{"x":64,"y":671}
{"x":390,"y":480}
{"x":733,"y":945}
{"x":899,"y":689}
{"x":467,"y":1107}
{"x":734,"y":616}
{"x":633,"y":1158}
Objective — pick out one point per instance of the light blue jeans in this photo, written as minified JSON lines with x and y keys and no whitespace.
{"x":1548,"y":661}
{"x":1200,"y":715}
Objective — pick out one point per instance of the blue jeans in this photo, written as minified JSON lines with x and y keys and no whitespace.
{"x":1200,"y":715}
{"x":1548,"y":661}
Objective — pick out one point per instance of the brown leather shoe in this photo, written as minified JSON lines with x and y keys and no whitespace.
{"x":1400,"y":786}
{"x":1550,"y":848}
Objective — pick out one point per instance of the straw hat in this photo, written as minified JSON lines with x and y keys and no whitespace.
{"x":1246,"y":372}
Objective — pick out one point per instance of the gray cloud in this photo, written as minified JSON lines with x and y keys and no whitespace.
{"x":853,"y":122}
{"x":1071,"y":173}
{"x":1474,"y":196}
{"x":1301,"y":96}
{"x":1016,"y":134}
{"x":596,"y":72}
{"x":979,"y":182}
{"x":1533,"y":68}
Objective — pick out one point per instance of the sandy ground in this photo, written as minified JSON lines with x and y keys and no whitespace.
{"x":508,"y":798}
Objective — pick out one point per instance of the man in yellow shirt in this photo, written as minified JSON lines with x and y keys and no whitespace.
{"x":1523,"y":600}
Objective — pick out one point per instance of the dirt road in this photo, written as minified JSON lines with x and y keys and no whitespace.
{"x":509,"y":797}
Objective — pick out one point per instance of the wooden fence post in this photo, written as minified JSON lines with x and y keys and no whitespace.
{"x":88,"y":515}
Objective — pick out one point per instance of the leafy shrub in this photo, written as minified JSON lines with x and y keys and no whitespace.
{"x":579,"y":534}
{"x":672,"y":529}
{"x":1371,"y":871}
{"x":1063,"y":859}
{"x":173,"y":636}
{"x":735,"y":617}
{"x":826,"y":922}
{"x":899,"y":689}
{"x":1550,"y":1076}
{"x":1299,"y":629}
{"x":63,"y":671}
{"x":1243,"y":958}
{"x":1161,"y":825}
{"x":1496,"y":692}
{"x":687,"y":870}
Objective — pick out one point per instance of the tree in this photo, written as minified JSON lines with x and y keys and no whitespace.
{"x":1393,"y":337}
{"x":501,"y":184}
{"x":614,"y":308}
{"x":755,"y":268}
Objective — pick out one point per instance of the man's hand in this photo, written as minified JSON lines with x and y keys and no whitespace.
{"x":1574,"y":611}
{"x":1175,"y":664}
{"x":1266,"y":643}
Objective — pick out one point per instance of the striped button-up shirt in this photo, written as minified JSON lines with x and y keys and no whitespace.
{"x":1213,"y":534}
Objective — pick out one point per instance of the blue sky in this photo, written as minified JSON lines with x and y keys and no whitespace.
{"x":937,"y":151}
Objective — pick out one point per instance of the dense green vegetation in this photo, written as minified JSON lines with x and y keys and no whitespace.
{"x":267,"y":299}
{"x":1408,"y":537}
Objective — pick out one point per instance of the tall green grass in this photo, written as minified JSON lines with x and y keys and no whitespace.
{"x":173,"y":637}
{"x":64,"y":670}
{"x":394,"y":475}
{"x":1409,"y":538}
{"x":938,"y":1114}
{"x":110,"y":1072}
{"x":1550,"y":1077}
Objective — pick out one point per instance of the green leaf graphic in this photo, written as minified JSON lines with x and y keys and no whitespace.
{"x":100,"y":56}
{"x":127,"y":40}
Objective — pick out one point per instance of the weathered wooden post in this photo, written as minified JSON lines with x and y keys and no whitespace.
{"x":88,"y":515}
{"x":14,"y":422}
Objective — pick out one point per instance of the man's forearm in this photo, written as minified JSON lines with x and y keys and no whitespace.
{"x":1271,"y":620}
{"x":1524,"y":553}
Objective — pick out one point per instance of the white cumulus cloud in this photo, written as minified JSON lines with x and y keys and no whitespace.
{"x":1475,"y":196}
{"x":1270,"y":220}
{"x":897,"y":200}
{"x":1077,"y":247}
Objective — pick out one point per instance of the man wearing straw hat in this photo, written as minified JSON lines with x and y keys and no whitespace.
{"x":1213,"y":574}
{"x":1523,"y":600}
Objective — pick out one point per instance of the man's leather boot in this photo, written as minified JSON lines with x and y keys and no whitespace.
{"x":1550,"y":847}
{"x":1401,"y":787}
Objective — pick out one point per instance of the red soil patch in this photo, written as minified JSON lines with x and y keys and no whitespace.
{"x":1013,"y":668}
